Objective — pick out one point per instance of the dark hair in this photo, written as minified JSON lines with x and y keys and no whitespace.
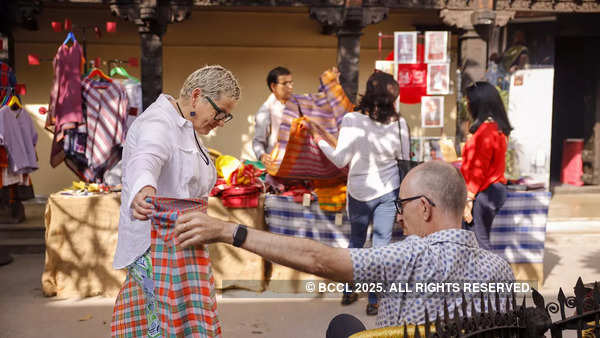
{"x":485,"y":102}
{"x":378,"y":101}
{"x":275,"y":73}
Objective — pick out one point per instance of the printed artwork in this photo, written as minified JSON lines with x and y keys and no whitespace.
{"x":385,"y":66}
{"x":436,"y":47}
{"x":405,"y":47}
{"x":415,"y":149}
{"x":438,"y":79}
{"x":431,"y":149}
{"x":432,"y":111}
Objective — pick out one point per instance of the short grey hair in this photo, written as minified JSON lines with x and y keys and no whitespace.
{"x":444,"y":184}
{"x":215,"y":82}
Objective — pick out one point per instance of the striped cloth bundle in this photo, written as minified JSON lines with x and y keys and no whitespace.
{"x":286,"y":217}
{"x":184,"y":284}
{"x":296,"y":155}
{"x":519,"y":229}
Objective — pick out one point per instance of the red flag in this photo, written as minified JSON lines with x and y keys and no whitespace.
{"x":111,"y":26}
{"x":20,"y":89}
{"x":33,"y":59}
{"x":57,"y":26}
{"x":42,"y":110}
{"x":412,"y":78}
{"x":68,"y":25}
{"x":133,"y":62}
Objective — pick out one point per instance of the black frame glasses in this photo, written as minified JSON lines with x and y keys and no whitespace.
{"x":399,"y":202}
{"x":221,"y":115}
{"x":286,"y":83}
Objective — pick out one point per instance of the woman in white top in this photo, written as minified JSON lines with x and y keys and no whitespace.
{"x":163,"y":156}
{"x":369,"y":140}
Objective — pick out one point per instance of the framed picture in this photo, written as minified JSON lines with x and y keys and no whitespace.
{"x":432,"y":111}
{"x":405,"y":47}
{"x":438,"y":79}
{"x":432,"y":149}
{"x":385,"y":66}
{"x":415,"y":149}
{"x":436,"y":47}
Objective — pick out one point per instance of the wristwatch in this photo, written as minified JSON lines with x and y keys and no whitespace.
{"x":239,"y":235}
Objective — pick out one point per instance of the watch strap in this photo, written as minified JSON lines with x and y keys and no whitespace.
{"x":239,"y":235}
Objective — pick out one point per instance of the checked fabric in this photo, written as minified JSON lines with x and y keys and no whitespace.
{"x":184,"y":288}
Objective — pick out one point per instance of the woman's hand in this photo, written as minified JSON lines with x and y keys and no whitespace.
{"x":140,"y":208}
{"x":468,"y":213}
{"x":197,"y":228}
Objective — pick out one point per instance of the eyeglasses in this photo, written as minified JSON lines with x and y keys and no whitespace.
{"x":286,"y":83}
{"x":221,"y":115}
{"x":400,"y":202}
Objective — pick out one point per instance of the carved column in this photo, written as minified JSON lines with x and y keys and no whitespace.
{"x":347,"y":22}
{"x":152,"y":18}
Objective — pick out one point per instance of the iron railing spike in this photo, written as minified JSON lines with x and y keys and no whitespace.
{"x":562,"y":301}
{"x":514,"y":301}
{"x":427,"y":324}
{"x":538,"y":299}
{"x":580,"y":293}
{"x":417,"y":334}
{"x":497,"y":301}
{"x":446,"y":314}
{"x":438,"y":326}
{"x":482,"y":304}
{"x":596,"y":296}
{"x":405,"y":330}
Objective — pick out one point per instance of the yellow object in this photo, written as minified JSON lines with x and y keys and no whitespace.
{"x":78,"y":185}
{"x":448,"y":151}
{"x":392,"y":331}
{"x":331,"y":198}
{"x":226,"y":165}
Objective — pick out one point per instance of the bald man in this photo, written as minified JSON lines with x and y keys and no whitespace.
{"x":430,"y":206}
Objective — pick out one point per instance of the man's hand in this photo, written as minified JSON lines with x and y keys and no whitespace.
{"x":196,"y":228}
{"x":468,"y":213}
{"x":140,"y":208}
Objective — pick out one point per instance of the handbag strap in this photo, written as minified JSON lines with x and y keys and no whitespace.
{"x":400,"y":135}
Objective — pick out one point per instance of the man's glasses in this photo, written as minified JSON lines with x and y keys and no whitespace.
{"x":400,"y":202}
{"x":221,"y":115}
{"x":286,"y":83}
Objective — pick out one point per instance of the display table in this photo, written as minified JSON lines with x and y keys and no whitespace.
{"x":519,"y":231}
{"x":81,"y":238}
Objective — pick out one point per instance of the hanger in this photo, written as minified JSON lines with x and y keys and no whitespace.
{"x":70,"y":36}
{"x":98,"y":72}
{"x":121,"y":71}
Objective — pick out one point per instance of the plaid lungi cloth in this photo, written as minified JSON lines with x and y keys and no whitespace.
{"x":519,"y":229}
{"x":295,"y":154}
{"x":184,"y":284}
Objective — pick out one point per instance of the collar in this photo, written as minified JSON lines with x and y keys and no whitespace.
{"x":173,"y":113}
{"x":272,"y":100}
{"x":456,"y":236}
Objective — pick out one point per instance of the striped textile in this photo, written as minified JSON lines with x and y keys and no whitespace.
{"x":295,"y":154}
{"x":106,"y":116}
{"x":286,"y":217}
{"x":519,"y":229}
{"x":184,"y":284}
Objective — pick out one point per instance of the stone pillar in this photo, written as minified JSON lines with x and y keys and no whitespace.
{"x":347,"y":22}
{"x":152,"y":18}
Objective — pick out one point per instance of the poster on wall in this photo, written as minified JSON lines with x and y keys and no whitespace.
{"x":431,"y":149}
{"x":530,"y":104}
{"x":385,"y":66}
{"x":438,"y":79}
{"x":436,"y":47}
{"x":405,"y":47}
{"x":432,"y":111}
{"x":415,"y":149}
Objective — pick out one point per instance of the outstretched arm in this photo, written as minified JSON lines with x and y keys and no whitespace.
{"x":302,"y":254}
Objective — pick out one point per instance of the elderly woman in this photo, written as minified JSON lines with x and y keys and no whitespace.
{"x":164,"y":157}
{"x":371,"y":140}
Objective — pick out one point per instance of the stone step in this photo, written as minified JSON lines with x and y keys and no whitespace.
{"x":22,"y":231}
{"x":23,"y":245}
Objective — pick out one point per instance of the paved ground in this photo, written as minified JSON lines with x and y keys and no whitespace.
{"x":571,"y":251}
{"x":25,"y":313}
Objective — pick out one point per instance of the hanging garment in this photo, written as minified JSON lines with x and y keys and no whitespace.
{"x":18,"y":135}
{"x":184,"y":291}
{"x":133,"y":89}
{"x":7,"y":79}
{"x":296,"y":155}
{"x":106,"y":114}
{"x":65,"y":96}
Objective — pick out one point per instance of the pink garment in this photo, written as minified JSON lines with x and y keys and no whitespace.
{"x":65,"y":97}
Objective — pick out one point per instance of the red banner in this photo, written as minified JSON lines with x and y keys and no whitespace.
{"x":412,"y":78}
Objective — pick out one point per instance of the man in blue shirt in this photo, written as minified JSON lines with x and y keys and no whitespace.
{"x":437,"y":251}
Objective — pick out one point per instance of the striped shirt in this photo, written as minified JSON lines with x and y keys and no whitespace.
{"x":106,"y":111}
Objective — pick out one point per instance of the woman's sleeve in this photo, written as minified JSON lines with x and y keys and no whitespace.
{"x":405,"y":149}
{"x":152,"y":148}
{"x":477,"y":160}
{"x":342,"y":154}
